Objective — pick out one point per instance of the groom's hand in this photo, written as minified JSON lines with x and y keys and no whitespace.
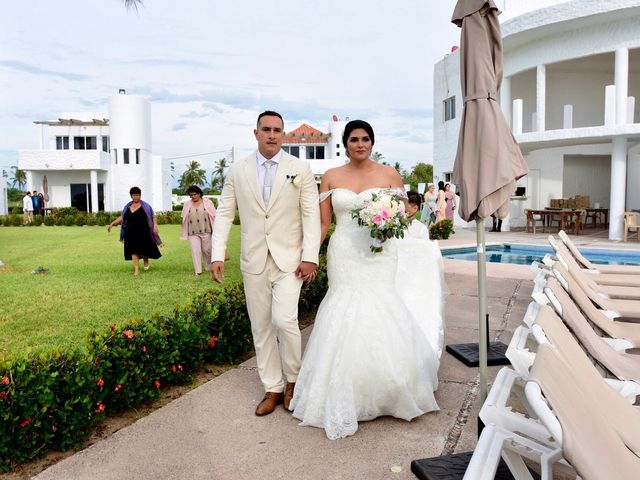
{"x":306,"y":271}
{"x":217,"y":271}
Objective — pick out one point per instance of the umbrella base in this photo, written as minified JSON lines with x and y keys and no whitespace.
{"x":469,"y":354}
{"x":453,"y":467}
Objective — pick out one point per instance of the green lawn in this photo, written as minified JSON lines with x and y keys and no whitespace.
{"x":89,"y":285}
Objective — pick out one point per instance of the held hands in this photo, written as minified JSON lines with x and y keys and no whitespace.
{"x":306,"y":271}
{"x":217,"y":271}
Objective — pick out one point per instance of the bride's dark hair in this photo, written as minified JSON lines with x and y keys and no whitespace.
{"x":354,"y":124}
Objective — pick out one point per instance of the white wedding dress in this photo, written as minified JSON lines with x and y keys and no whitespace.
{"x":377,"y":338}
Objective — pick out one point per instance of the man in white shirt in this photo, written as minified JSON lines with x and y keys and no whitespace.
{"x":277,"y":198}
{"x":27,"y":208}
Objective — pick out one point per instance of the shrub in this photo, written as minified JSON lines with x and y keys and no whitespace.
{"x":70,"y":216}
{"x":49,"y":221}
{"x":441,"y":230}
{"x":236,"y":219}
{"x":53,"y":400}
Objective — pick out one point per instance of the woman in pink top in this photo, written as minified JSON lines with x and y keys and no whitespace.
{"x":198,"y":214}
{"x":450,"y":198}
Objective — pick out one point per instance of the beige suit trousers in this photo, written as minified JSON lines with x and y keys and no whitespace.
{"x":272,"y":301}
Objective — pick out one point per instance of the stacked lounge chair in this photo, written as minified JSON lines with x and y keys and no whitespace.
{"x":576,"y":376}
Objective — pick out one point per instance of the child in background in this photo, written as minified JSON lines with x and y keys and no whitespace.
{"x":416,"y":229}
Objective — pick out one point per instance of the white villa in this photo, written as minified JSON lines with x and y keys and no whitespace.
{"x":91,"y":160}
{"x":571,"y":80}
{"x":322,"y":150}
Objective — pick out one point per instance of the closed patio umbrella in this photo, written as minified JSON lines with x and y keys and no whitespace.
{"x":488,"y":160}
{"x":488,"y":163}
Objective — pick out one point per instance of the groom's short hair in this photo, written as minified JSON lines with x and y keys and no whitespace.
{"x":270,"y":113}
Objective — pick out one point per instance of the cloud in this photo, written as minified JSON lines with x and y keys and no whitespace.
{"x":179,"y":126}
{"x":25,"y":67}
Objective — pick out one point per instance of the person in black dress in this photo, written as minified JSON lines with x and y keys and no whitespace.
{"x":139,"y":231}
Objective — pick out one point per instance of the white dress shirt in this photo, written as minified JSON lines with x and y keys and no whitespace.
{"x":261,"y":169}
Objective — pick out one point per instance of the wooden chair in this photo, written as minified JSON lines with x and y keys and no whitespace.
{"x":631,"y":224}
{"x":531,"y":220}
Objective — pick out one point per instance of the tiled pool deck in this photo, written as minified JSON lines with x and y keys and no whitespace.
{"x":212,"y":433}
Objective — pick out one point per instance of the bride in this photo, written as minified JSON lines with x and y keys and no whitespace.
{"x":377,"y":338}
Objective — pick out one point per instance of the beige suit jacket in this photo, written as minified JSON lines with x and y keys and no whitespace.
{"x":289,"y":227}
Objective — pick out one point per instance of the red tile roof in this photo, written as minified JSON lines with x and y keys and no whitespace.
{"x":305,"y":134}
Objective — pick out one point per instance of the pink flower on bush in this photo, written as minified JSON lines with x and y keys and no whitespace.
{"x":212,"y":341}
{"x":128,"y":334}
{"x":112,"y":326}
{"x":4,"y":395}
{"x":180,"y":368}
{"x":144,"y":349}
{"x":173,"y":368}
{"x":5,"y":380}
{"x":100,"y":383}
{"x":118,"y":387}
{"x":25,"y":422}
{"x":101,"y":408}
{"x":156,"y":383}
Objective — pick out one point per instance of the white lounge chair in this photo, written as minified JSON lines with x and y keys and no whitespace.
{"x":624,"y":269}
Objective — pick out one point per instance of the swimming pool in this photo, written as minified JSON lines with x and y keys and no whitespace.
{"x":525,"y":254}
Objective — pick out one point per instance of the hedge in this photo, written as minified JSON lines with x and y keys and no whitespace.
{"x":53,"y":400}
{"x":71,"y":216}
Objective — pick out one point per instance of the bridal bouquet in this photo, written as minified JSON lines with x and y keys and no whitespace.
{"x":384,"y":216}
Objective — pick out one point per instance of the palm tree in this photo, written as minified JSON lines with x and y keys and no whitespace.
{"x":193,"y":175}
{"x":19,"y":177}
{"x":218,"y":176}
{"x":376,"y":157}
{"x":133,"y":4}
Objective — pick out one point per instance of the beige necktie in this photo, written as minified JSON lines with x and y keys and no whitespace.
{"x":266,"y":186}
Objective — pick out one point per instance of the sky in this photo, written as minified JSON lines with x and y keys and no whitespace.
{"x":209,"y":67}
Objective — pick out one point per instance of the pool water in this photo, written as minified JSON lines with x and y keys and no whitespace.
{"x":525,"y":254}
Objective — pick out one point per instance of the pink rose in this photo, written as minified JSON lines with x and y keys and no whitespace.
{"x":378,"y":220}
{"x":386,"y":215}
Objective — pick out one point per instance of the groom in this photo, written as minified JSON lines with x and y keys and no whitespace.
{"x":277,"y":199}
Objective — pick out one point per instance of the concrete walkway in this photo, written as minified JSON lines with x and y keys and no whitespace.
{"x":212,"y":433}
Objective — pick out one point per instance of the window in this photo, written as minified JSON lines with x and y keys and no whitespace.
{"x":105,"y":143}
{"x":126,"y":155}
{"x":337,"y":154}
{"x":315,"y":153}
{"x":295,"y":151}
{"x":137,"y":156}
{"x":62,"y":143}
{"x":85,"y":143}
{"x":449,"y":109}
{"x":447,"y":176}
{"x":337,"y":145}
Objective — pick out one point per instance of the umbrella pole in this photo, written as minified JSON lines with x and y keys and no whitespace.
{"x":482,"y":308}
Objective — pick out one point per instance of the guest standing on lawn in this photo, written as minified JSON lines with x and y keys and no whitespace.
{"x":198,"y":214}
{"x":139,"y":231}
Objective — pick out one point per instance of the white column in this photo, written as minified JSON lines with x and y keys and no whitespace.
{"x":541,"y":94}
{"x":631,"y":108}
{"x":609,"y":105}
{"x":505,"y":99}
{"x":567,"y":117}
{"x":516,"y":123}
{"x":622,"y":84}
{"x":29,"y":176}
{"x":618,"y":187}
{"x":94,"y":191}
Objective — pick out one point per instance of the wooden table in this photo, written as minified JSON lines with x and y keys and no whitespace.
{"x":546,"y":216}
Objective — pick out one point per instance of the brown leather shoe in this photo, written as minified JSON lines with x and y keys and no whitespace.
{"x":288,"y":394}
{"x":269,"y":403}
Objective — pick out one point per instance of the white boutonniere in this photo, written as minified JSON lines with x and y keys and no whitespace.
{"x":293,"y":179}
